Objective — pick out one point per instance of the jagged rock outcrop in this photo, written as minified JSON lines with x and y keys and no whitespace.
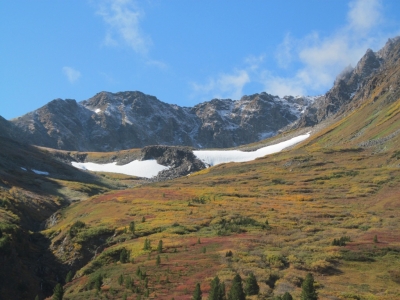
{"x":109,"y":122}
{"x":348,"y":84}
{"x":181,"y":161}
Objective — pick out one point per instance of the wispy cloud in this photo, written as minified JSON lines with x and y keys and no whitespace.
{"x":283,"y":53}
{"x":322,"y":58}
{"x":123,"y":20}
{"x":314,"y":60}
{"x":364,"y":15}
{"x":72,"y":74}
{"x":224,"y":85}
{"x":253,"y":63}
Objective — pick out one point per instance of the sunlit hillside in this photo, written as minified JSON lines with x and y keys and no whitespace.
{"x":278,"y":217}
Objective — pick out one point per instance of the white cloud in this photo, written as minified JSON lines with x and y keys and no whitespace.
{"x":313,"y":60}
{"x":123,"y":18}
{"x":224,"y":86}
{"x":364,"y":14}
{"x":282,"y":86}
{"x":230,"y":85}
{"x":72,"y":74}
{"x":322,"y":58}
{"x":254,"y":62}
{"x":283,"y":54}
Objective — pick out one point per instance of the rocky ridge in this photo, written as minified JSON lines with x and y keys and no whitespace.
{"x":111,"y":122}
{"x":349,"y":86}
{"x":125,"y":120}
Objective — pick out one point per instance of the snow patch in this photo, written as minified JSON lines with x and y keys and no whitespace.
{"x":215,"y":157}
{"x":146,"y":168}
{"x":40,"y":172}
{"x":98,"y":110}
{"x":24,"y":169}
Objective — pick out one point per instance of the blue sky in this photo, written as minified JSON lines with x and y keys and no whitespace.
{"x":183,"y":52}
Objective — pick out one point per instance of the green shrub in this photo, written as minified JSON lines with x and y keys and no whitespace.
{"x":341,"y":242}
{"x":75,"y":228}
{"x":356,"y":256}
{"x":86,"y":234}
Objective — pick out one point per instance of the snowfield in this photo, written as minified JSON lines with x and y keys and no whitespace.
{"x":212,"y":158}
{"x":150,"y":168}
{"x":145,"y":168}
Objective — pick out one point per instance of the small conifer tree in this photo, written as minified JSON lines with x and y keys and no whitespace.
{"x":98,"y":282}
{"x":251,"y":287}
{"x":236,"y":292}
{"x":58,"y":292}
{"x":124,"y":256}
{"x":69,"y":276}
{"x":308,"y":290}
{"x":197,"y":292}
{"x":146,"y":245}
{"x":160,"y":246}
{"x":214,"y":289}
{"x":132,"y":227}
{"x":128,"y":282}
{"x":287,"y":296}
{"x":217,"y":290}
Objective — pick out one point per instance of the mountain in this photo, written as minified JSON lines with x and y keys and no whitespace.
{"x":328,"y":206}
{"x":124,"y":120}
{"x":349,"y":86}
{"x":109,"y":122}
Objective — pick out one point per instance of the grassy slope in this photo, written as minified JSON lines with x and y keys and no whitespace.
{"x":26,"y":200}
{"x":328,"y":187}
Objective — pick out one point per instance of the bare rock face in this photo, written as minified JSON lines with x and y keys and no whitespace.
{"x":56,"y":125}
{"x":125,"y":120}
{"x":349,"y":83}
{"x":7,"y":129}
{"x":181,"y":161}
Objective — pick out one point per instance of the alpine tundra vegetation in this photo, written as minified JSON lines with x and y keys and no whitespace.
{"x":317,"y":218}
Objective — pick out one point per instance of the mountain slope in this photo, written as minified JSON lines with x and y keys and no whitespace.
{"x":34,"y":185}
{"x":109,"y":122}
{"x":349,"y":86}
{"x":329,"y":207}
